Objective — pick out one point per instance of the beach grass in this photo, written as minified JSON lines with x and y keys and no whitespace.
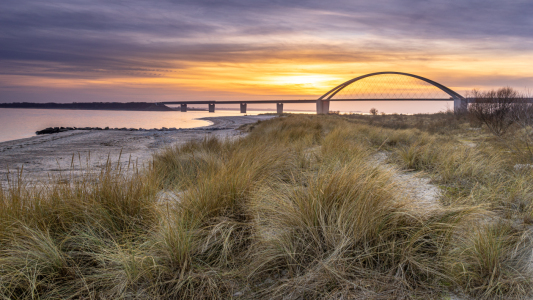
{"x":300,"y":208}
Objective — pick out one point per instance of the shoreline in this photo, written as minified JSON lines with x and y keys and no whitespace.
{"x":216,"y":124}
{"x":78,"y":151}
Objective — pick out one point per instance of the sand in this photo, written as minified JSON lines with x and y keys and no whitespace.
{"x":414,"y":185}
{"x":80,"y":150}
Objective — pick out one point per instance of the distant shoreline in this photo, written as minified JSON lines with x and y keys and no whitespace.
{"x":129,"y":106}
{"x":114,"y":106}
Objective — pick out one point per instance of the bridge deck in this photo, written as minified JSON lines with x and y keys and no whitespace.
{"x":294,"y":101}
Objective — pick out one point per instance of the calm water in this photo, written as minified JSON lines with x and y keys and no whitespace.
{"x":22,"y":123}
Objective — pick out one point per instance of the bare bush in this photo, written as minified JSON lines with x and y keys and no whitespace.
{"x":502,"y":110}
{"x":495,"y":108}
{"x":373,"y":111}
{"x":522,"y":115}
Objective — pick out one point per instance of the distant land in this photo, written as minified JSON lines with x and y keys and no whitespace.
{"x":131,"y":106}
{"x":128,"y":106}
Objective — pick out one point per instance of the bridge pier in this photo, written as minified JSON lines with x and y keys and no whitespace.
{"x":211,"y":107}
{"x":460,"y":105}
{"x":243,"y":108}
{"x":279,"y":108}
{"x":183,"y":107}
{"x":322,"y":107}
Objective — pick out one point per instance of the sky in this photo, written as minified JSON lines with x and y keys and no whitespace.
{"x":164,"y":50}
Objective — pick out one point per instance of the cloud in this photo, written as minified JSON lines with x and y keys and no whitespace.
{"x":100,"y":39}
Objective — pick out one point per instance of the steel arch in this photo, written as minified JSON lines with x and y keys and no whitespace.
{"x":323,"y":102}
{"x":338,"y":88}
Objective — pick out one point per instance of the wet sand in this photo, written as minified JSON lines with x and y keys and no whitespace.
{"x":80,"y":150}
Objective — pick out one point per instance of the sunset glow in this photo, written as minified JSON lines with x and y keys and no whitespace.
{"x":97,"y":51}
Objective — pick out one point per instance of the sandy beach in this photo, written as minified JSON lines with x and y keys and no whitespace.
{"x":79,"y":150}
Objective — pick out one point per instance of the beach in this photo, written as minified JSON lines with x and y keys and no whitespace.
{"x":77,"y":151}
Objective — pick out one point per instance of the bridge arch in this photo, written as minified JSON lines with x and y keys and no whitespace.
{"x":322,"y":103}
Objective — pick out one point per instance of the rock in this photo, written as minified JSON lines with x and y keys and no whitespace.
{"x":50,"y":130}
{"x":45,"y":131}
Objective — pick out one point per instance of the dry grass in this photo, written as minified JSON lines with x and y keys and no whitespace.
{"x":488,"y":260}
{"x":295,"y":210}
{"x":346,"y":232}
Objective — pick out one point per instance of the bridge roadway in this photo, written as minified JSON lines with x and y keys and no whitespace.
{"x":279,"y":103}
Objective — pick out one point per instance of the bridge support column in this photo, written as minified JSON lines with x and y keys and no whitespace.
{"x":279,"y":108}
{"x":460,"y":105}
{"x":243,"y":108}
{"x":211,"y":107}
{"x":322,"y":107}
{"x":183,"y":108}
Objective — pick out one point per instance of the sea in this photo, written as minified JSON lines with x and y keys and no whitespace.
{"x":23,"y":123}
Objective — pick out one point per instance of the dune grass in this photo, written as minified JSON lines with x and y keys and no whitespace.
{"x":488,"y":260}
{"x":298,"y":209}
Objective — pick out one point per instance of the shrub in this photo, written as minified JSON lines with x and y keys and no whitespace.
{"x":494,"y":108}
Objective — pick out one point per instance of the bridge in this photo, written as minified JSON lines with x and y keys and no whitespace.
{"x":380,"y":86}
